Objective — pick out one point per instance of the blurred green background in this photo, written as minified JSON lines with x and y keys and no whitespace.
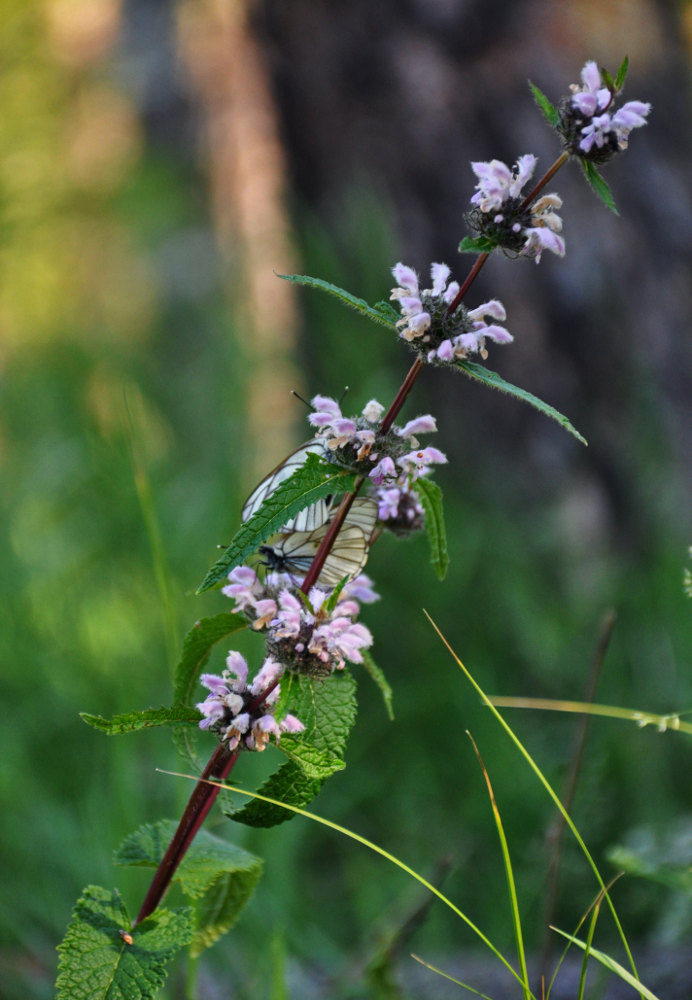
{"x":159,"y":163}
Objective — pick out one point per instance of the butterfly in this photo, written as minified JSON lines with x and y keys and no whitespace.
{"x":294,"y":551}
{"x":305,"y":520}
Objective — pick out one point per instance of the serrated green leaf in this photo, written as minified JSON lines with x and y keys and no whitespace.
{"x":622,"y":73}
{"x":327,"y":709}
{"x":315,"y":763}
{"x":477,"y":244}
{"x":611,"y":964}
{"x":289,"y":784}
{"x":131,"y":722}
{"x":598,"y":185}
{"x":312,"y":481}
{"x":96,"y":963}
{"x":430,"y":496}
{"x":376,"y":313}
{"x":547,"y":109}
{"x":381,"y":681}
{"x":495,"y":381}
{"x":388,"y":312}
{"x":197,"y":647}
{"x":219,"y":876}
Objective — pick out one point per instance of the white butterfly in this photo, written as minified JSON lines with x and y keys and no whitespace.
{"x":305,"y":520}
{"x":295,"y":550}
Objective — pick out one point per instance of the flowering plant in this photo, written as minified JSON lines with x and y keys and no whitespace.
{"x":294,"y":567}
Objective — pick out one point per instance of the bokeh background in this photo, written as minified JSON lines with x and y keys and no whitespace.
{"x":160,"y":162}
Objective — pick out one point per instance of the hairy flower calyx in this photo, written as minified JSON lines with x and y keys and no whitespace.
{"x":589,"y":125}
{"x":503,"y":218}
{"x":435,"y":335}
{"x":228,"y":711}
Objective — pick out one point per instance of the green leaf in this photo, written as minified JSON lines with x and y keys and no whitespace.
{"x":611,"y":964}
{"x":608,"y":80}
{"x":327,"y":709}
{"x":598,"y":185}
{"x":621,"y":74}
{"x":381,"y":681}
{"x":547,"y":109}
{"x":219,"y":876}
{"x":289,"y":784}
{"x":313,"y":762}
{"x":477,"y":244}
{"x":311,"y":481}
{"x":660,"y":855}
{"x":380,"y":313}
{"x":197,"y":647}
{"x":97,"y":962}
{"x":388,"y":312}
{"x":430,"y":496}
{"x":131,"y":722}
{"x":495,"y":381}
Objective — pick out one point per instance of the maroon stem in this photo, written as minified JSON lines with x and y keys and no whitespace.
{"x":199,"y":804}
{"x":470,"y":278}
{"x":547,"y":176}
{"x":328,"y":540}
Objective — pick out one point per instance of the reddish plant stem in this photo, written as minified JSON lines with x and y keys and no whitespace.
{"x":328,"y":540}
{"x":199,"y":804}
{"x":401,"y":396}
{"x":470,"y":278}
{"x":547,"y":176}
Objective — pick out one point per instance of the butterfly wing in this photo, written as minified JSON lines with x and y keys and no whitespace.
{"x":295,"y":550}
{"x":305,"y":520}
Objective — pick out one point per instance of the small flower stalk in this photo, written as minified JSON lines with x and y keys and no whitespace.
{"x":227,"y":709}
{"x":426,"y":324}
{"x":589,"y":125}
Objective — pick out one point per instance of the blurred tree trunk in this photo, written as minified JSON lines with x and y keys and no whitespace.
{"x":246,"y":169}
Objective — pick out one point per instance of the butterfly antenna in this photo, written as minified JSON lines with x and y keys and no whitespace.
{"x":298,"y":396}
{"x":343,"y":395}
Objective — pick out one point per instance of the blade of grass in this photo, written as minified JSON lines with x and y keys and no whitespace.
{"x":598,"y":899}
{"x":614,"y":966}
{"x":549,"y":789}
{"x":373,"y":847}
{"x":445,"y":975}
{"x":662,"y":722}
{"x":507,"y":861}
{"x":587,"y":951}
{"x":555,"y":834}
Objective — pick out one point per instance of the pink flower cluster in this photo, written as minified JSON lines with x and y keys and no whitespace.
{"x":592,"y":97}
{"x":390,"y":456}
{"x":424,"y":316}
{"x":225,"y":709}
{"x":393,"y":461}
{"x":498,"y":196}
{"x":312,"y":637}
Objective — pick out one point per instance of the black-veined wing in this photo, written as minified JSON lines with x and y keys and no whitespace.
{"x":305,"y":520}
{"x":294,"y":551}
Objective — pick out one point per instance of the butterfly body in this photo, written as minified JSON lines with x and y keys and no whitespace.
{"x":294,"y":551}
